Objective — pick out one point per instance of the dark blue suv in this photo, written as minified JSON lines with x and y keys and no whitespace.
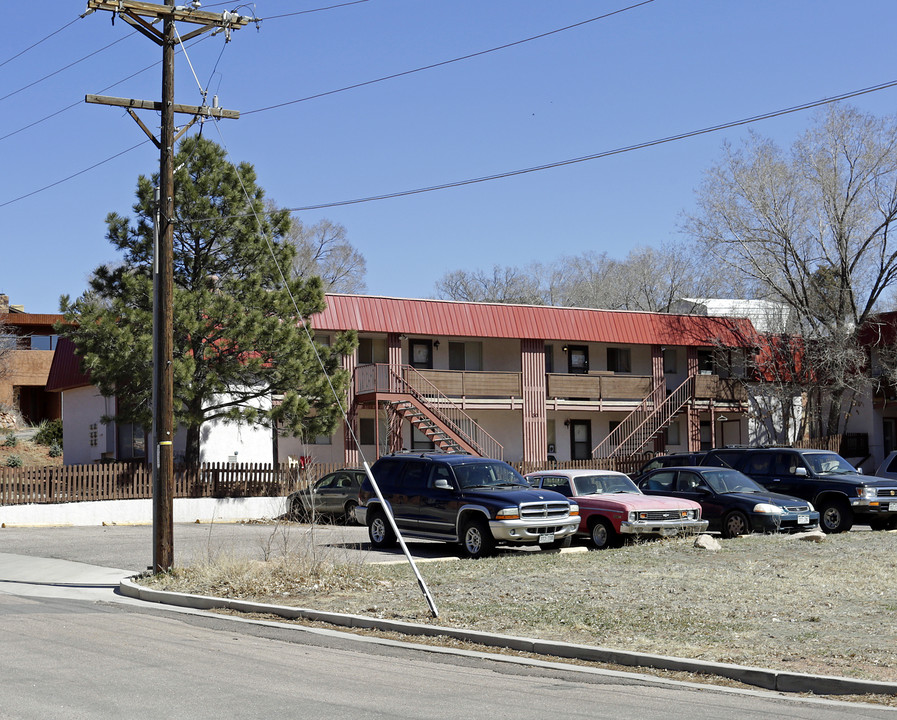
{"x":464,"y":499}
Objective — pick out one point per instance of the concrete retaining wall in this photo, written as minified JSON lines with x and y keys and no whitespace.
{"x":140,"y":512}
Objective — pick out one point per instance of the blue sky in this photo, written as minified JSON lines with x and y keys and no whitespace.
{"x":664,"y":68}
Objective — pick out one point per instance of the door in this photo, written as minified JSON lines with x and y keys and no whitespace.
{"x":577,"y":359}
{"x":580,"y":439}
{"x":421,"y":354}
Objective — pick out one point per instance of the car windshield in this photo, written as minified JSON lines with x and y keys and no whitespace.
{"x":487,"y":474}
{"x":603,"y":484}
{"x":730,"y":481}
{"x":829,"y":464}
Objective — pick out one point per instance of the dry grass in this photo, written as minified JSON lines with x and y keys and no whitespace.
{"x":765,"y":601}
{"x":32,"y":454}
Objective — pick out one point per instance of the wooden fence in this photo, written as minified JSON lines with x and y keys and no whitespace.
{"x":121,"y":481}
{"x":77,"y":483}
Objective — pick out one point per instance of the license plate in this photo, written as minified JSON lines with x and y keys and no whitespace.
{"x":892,"y":507}
{"x":804,"y":519}
{"x":549,"y":538}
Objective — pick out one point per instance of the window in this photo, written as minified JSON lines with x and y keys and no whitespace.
{"x":323,"y":440}
{"x":549,"y":358}
{"x":673,"y":433}
{"x":705,"y":362}
{"x":372,"y":350}
{"x":131,"y":443}
{"x":367,"y":431}
{"x":466,"y":355}
{"x":670,"y":365}
{"x":619,"y":360}
{"x":419,"y":441}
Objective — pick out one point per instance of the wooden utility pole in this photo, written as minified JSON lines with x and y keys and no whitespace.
{"x":134,"y":13}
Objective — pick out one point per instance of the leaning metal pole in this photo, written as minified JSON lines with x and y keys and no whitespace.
{"x":392,"y":521}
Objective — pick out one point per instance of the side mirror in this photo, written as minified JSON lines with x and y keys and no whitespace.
{"x":443,"y":484}
{"x":801,"y":472}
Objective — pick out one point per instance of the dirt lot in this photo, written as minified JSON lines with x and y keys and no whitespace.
{"x":766,"y":601}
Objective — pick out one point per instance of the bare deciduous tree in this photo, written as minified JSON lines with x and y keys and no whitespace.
{"x":812,"y":228}
{"x":504,"y":285}
{"x":323,"y":249}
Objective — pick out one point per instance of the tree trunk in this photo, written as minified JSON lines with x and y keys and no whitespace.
{"x":191,"y":456}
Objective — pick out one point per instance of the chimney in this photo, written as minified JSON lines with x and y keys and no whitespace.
{"x":4,"y":304}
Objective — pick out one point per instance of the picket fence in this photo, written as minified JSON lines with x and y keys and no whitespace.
{"x":126,"y":481}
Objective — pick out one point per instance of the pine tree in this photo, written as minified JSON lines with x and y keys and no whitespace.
{"x":239,"y":340}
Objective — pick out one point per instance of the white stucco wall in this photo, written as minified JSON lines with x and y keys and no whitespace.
{"x":82,"y":408}
{"x":140,"y":512}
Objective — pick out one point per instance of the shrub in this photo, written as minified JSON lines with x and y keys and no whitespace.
{"x":10,"y":440}
{"x":14,"y":461}
{"x":55,"y":450}
{"x":49,"y":432}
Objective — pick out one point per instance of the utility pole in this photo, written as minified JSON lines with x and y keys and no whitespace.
{"x":135,"y":13}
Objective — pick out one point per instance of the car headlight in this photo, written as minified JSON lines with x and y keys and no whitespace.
{"x":574,"y":510}
{"x":768,"y":509}
{"x":867,"y":493}
{"x":810,"y":506}
{"x":508,"y":513}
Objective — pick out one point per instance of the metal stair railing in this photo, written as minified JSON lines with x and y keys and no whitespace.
{"x":643,"y":423}
{"x":406,"y":380}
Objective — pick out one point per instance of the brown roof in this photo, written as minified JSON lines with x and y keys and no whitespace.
{"x":494,"y":320}
{"x":65,"y":371}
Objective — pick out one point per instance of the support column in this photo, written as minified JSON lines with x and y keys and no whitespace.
{"x":533,"y":382}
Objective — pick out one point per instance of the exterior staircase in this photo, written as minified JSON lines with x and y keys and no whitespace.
{"x":644,"y":423}
{"x":415,"y":399}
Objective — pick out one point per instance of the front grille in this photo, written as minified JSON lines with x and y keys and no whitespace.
{"x":544,"y":510}
{"x":887,"y":493}
{"x":797,"y":508}
{"x":658,"y":515}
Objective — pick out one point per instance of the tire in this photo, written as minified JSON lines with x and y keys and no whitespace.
{"x":298,"y":511}
{"x":379,"y":530}
{"x":835,"y":516}
{"x":476,"y":539}
{"x":603,"y":535}
{"x":558,"y":544}
{"x":735,"y":524}
{"x":350,"y":512}
{"x":883,"y":523}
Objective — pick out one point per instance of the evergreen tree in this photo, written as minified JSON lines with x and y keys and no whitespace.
{"x":239,"y":340}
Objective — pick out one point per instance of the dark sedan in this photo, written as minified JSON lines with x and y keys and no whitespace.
{"x":732,"y":502}
{"x":334,"y":494}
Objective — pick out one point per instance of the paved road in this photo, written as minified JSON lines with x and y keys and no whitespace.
{"x":74,"y":649}
{"x":131,"y":546}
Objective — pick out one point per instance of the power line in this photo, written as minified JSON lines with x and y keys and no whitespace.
{"x":66,"y":67}
{"x":73,"y":175}
{"x":593,"y":156}
{"x":80,"y":101}
{"x":35,"y":44}
{"x":306,"y":12}
{"x":448,"y":62}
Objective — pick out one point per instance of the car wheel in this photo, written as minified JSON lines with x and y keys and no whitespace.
{"x":297,"y":510}
{"x":476,"y":538}
{"x":735,"y":524}
{"x":603,"y":534}
{"x":558,"y":544}
{"x":379,"y":530}
{"x":835,"y":516}
{"x":350,"y":512}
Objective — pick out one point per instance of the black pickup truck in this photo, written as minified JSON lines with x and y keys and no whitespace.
{"x":842,"y":495}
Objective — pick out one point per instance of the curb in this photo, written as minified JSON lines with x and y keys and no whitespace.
{"x":758,"y":677}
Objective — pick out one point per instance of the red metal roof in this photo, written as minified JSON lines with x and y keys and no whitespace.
{"x":493,"y":320}
{"x":65,"y":371}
